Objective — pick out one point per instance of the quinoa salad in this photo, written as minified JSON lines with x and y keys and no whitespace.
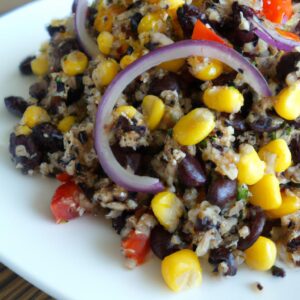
{"x":177,"y":120}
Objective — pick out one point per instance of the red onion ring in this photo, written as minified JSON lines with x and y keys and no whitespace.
{"x":85,"y":40}
{"x":177,"y":50}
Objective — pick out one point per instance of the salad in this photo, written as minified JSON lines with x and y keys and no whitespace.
{"x":177,"y":120}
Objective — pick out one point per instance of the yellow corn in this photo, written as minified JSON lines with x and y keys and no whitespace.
{"x":74,"y":63}
{"x":279,"y":148}
{"x":127,"y":60}
{"x":167,"y":208}
{"x":151,"y":22}
{"x":266,"y":193}
{"x":194,"y":127}
{"x":290,"y":204}
{"x":128,"y":110}
{"x":173,"y":65}
{"x":40,"y":65}
{"x":105,"y":72}
{"x":23,"y":130}
{"x":181,"y":270}
{"x":35,"y":115}
{"x":105,"y":41}
{"x":223,"y":99}
{"x":153,"y":110}
{"x":261,"y":255}
{"x":66,"y":123}
{"x":287,"y":103}
{"x":205,"y":68}
{"x":250,"y":167}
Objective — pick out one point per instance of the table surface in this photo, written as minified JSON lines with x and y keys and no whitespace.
{"x":13,"y":287}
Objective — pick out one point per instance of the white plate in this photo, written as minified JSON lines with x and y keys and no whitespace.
{"x":81,"y":259}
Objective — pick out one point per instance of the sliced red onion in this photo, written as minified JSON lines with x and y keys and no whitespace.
{"x":85,"y":40}
{"x":177,"y":50}
{"x":271,"y":36}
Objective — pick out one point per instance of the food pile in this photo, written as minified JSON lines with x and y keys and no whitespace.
{"x":179,"y":120}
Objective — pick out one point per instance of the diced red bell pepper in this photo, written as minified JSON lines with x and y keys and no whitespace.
{"x":277,"y":11}
{"x":201,"y":32}
{"x":136,"y":246}
{"x":63,"y":177}
{"x":65,"y":202}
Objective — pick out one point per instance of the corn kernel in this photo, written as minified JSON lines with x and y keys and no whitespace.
{"x":74,"y":63}
{"x":205,"y":68}
{"x":287,"y":103}
{"x":23,"y":130}
{"x":127,"y":60}
{"x":167,"y":208}
{"x":105,"y":72}
{"x":66,"y":123}
{"x":290,"y":204}
{"x":266,"y":193}
{"x":105,"y":42}
{"x":173,"y":65}
{"x":153,"y":110}
{"x":250,"y":167}
{"x":35,"y":115}
{"x":151,"y":22}
{"x":261,"y":255}
{"x":279,"y":148}
{"x":128,"y":110}
{"x":40,"y":65}
{"x":181,"y":270}
{"x":194,"y":127}
{"x":223,"y":99}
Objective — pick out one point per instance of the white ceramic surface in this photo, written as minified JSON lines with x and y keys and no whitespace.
{"x":81,"y":259}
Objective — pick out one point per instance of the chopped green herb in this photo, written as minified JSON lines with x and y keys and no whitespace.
{"x":170,"y":132}
{"x":214,"y":138}
{"x":203,"y":144}
{"x":58,"y":79}
{"x":272,"y":135}
{"x":243,"y":192}
{"x":288,"y":130}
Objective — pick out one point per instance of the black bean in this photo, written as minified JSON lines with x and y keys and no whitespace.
{"x":167,"y":83}
{"x":127,"y":158}
{"x":124,"y":124}
{"x":295,"y":149}
{"x":160,"y":242}
{"x":225,"y":79}
{"x":55,"y":103}
{"x":135,"y":4}
{"x":39,"y":90}
{"x":191,"y":172}
{"x":203,"y":224}
{"x":52,"y":30}
{"x":293,"y":245}
{"x":222,"y":254}
{"x":238,"y":123}
{"x":151,"y":46}
{"x":278,"y":272}
{"x":91,"y":15}
{"x":287,"y":64}
{"x":248,"y":101}
{"x":74,"y":94}
{"x":187,"y":16}
{"x":134,"y":21}
{"x":119,"y":222}
{"x":221,"y":191}
{"x":25,"y":65}
{"x":32,"y":156}
{"x":256,"y":220}
{"x":48,"y":138}
{"x":83,"y":137}
{"x":264,"y":123}
{"x":269,"y":224}
{"x":15,"y":105}
{"x":88,"y":191}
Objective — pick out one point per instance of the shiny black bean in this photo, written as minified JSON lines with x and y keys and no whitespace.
{"x":160,"y":242}
{"x":15,"y":105}
{"x":225,"y":79}
{"x":203,"y":224}
{"x":221,"y":191}
{"x":134,"y":21}
{"x":55,"y":103}
{"x":238,"y":123}
{"x":187,"y":16}
{"x":24,"y":152}
{"x":75,"y":93}
{"x":295,"y":149}
{"x":222,"y":254}
{"x":269,"y":225}
{"x":83,"y":137}
{"x":256,"y":220}
{"x":293,"y":245}
{"x":168,"y":82}
{"x":25,"y":65}
{"x":118,"y":223}
{"x":191,"y":172}
{"x":52,"y":30}
{"x":278,"y":272}
{"x":48,"y":138}
{"x":286,"y":65}
{"x":39,"y":90}
{"x":264,"y":123}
